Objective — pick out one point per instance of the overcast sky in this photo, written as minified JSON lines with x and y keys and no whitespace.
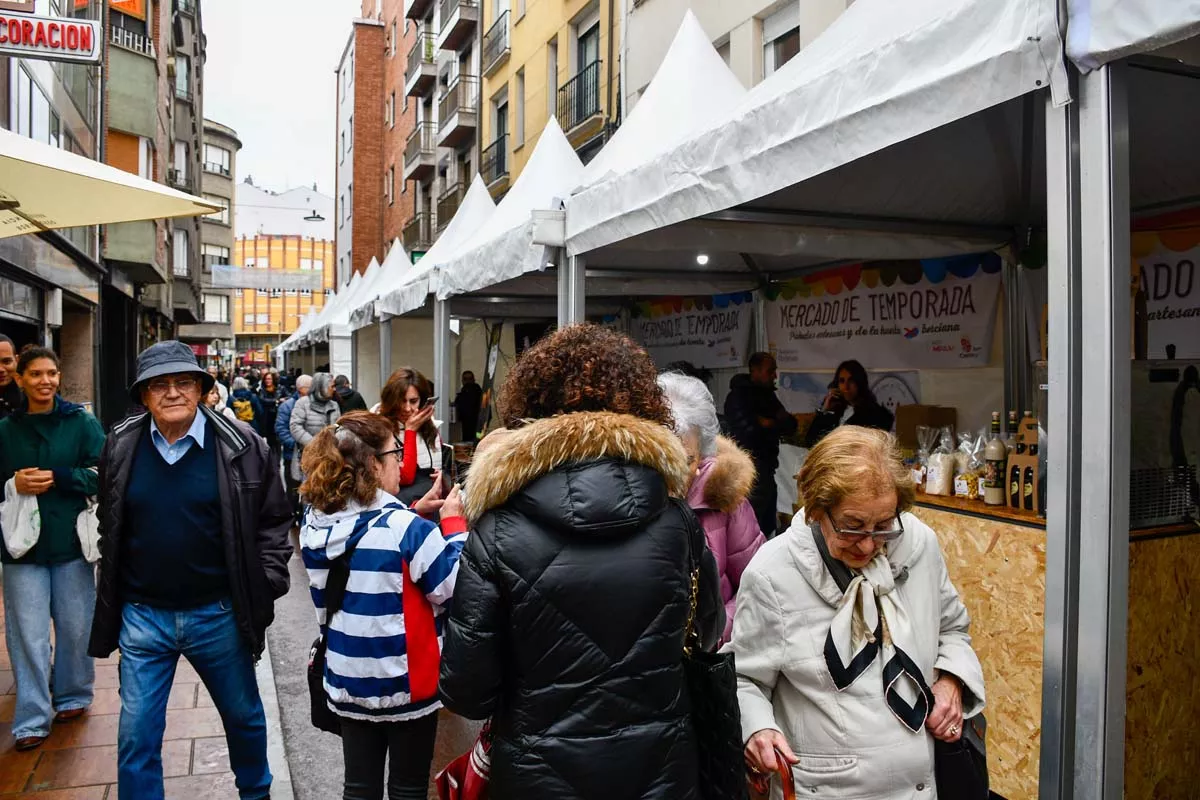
{"x":270,"y":76}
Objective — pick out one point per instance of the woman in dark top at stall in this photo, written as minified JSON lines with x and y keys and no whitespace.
{"x":849,"y":391}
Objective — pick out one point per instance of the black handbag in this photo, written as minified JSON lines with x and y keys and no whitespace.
{"x":323,"y":717}
{"x":711,"y":682}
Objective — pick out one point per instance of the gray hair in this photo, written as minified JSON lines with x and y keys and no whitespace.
{"x":693,"y":409}
{"x":240,"y":383}
{"x":304,"y":382}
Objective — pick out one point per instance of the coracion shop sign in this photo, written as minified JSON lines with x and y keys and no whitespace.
{"x":50,"y":38}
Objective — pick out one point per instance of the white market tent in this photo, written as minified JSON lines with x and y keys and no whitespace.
{"x":337,"y":322}
{"x":1101,"y":31}
{"x":396,"y":266}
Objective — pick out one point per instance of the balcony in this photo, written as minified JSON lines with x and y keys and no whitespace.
{"x":459,"y":20}
{"x":448,"y":203}
{"x":213,"y":168}
{"x":418,"y":9}
{"x":183,"y":93}
{"x":132,"y":41}
{"x":493,"y":162}
{"x":185,"y":7}
{"x":457,"y":114}
{"x":496,"y":45}
{"x":421,"y":75}
{"x":416,"y":233}
{"x":135,"y":246}
{"x":579,"y":98}
{"x":420,"y":152}
{"x":179,"y":179}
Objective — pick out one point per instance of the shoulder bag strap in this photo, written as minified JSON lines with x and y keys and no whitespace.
{"x":335,"y":583}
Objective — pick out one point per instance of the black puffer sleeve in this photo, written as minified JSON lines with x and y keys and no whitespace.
{"x":472,"y":672}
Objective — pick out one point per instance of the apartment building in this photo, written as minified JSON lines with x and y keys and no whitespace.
{"x":51,"y":283}
{"x":755,"y":37}
{"x":442,"y":85}
{"x":542,"y":59}
{"x":218,"y":175}
{"x":285,"y":247}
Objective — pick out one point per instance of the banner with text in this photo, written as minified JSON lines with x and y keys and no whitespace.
{"x":1166,"y":264}
{"x":932,"y":314}
{"x":710,"y":332}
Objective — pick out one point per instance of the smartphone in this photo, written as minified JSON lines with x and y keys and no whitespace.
{"x":429,"y":401}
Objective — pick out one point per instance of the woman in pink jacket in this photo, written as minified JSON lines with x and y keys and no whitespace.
{"x":721,"y":480}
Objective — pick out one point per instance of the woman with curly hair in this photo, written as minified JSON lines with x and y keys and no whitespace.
{"x":381,"y":667}
{"x":405,"y":401}
{"x":576,"y":581}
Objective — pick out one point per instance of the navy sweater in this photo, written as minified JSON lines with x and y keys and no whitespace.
{"x":173,"y":554}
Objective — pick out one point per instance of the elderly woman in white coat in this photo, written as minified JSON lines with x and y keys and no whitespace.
{"x":851,"y":643}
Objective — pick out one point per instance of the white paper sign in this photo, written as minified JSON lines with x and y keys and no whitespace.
{"x":916,"y":326}
{"x":1172,"y":285}
{"x":715,"y":339}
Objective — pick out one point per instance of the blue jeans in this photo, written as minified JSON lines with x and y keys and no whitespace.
{"x":152,"y":640}
{"x":33,"y":596}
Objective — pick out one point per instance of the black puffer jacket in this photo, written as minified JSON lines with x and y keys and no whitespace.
{"x":570,"y":608}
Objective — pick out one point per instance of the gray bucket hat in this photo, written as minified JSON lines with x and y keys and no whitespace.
{"x":168,"y":358}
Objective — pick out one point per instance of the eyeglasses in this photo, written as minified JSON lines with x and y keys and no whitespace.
{"x":851,"y":536}
{"x":399,"y":449}
{"x":161,"y":386}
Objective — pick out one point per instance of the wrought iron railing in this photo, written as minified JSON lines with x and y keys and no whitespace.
{"x":421,"y":53}
{"x":448,"y":203}
{"x":179,"y":179}
{"x":186,"y":6}
{"x":416,"y":232}
{"x":216,"y":168}
{"x":493,"y":161}
{"x":132,"y":40}
{"x":183,"y":92}
{"x":460,"y":96}
{"x":450,"y":6}
{"x":422,"y":141}
{"x":579,"y":98}
{"x":495,"y":41}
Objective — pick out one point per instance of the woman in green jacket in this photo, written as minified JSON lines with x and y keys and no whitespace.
{"x":49,"y":448}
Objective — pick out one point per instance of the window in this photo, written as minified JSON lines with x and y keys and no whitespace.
{"x":391,"y":115}
{"x":263,"y":319}
{"x":181,"y":161}
{"x":519,"y":122}
{"x":182,"y":253}
{"x":306,"y":292}
{"x":216,"y":308}
{"x":290,"y":292}
{"x":247,"y":319}
{"x":275,"y":293}
{"x":389,"y":186}
{"x":723,"y":52}
{"x":263,"y":262}
{"x":217,"y":159}
{"x":349,"y":201}
{"x":343,"y":150}
{"x":520,"y":9}
{"x":342,"y":215}
{"x":587,"y":47}
{"x":145,"y":158}
{"x":183,"y":77}
{"x":350,"y":130}
{"x":552,"y":72}
{"x":223,"y":215}
{"x":781,"y":38}
{"x":306,"y":263}
{"x":214,"y":254}
{"x":319,"y":264}
{"x":394,"y":38}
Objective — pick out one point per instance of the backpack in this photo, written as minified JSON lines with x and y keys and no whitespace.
{"x":243,"y":410}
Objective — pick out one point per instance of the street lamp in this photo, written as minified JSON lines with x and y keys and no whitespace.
{"x":314,"y":217}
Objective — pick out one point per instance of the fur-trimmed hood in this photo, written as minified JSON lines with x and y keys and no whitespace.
{"x":522,"y":456}
{"x":724,"y":481}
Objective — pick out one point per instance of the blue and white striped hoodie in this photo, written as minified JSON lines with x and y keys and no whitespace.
{"x":384,"y":645}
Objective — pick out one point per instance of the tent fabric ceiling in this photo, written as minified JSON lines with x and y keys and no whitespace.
{"x":883,"y":73}
{"x":1101,"y":31}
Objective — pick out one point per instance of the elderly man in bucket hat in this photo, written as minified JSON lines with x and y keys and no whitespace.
{"x":194,"y":544}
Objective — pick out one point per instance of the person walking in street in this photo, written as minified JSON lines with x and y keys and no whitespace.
{"x":194,"y":550}
{"x":467,"y":405}
{"x":49,"y":448}
{"x":287,"y":445}
{"x":213,"y":401}
{"x":270,"y":395}
{"x":10,"y":391}
{"x":850,"y":401}
{"x":722,"y":475}
{"x":757,"y":421}
{"x":852,"y":646}
{"x":245,"y":405}
{"x":347,"y":398}
{"x":381,"y":668}
{"x":573,"y":595}
{"x":220,"y":386}
{"x":312,"y":413}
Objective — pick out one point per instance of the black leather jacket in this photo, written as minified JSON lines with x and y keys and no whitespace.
{"x":255,"y":519}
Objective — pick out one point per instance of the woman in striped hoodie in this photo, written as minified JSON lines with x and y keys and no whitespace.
{"x":384,"y":645}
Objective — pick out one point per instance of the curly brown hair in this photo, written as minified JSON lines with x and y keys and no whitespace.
{"x":583,"y":368}
{"x":339,"y":463}
{"x":391,"y":399}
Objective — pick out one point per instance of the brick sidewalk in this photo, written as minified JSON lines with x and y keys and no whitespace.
{"x":79,"y":760}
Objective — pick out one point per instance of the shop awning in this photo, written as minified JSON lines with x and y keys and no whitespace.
{"x":1100,"y":31}
{"x":44,"y":187}
{"x":410,"y":291}
{"x":883,"y":73}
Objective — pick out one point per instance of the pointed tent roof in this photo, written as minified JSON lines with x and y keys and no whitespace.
{"x":338,"y":323}
{"x":319,"y":332}
{"x":692,"y":80}
{"x":290,"y":343}
{"x":411,"y":291}
{"x":503,"y":248}
{"x":396,"y":265}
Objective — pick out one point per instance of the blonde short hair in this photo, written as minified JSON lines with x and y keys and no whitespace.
{"x":854,"y":459}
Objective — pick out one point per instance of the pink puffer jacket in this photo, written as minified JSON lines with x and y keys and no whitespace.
{"x":719,"y":495}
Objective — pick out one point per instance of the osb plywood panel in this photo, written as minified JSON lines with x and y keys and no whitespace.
{"x":1162,"y":738}
{"x":999,"y":570}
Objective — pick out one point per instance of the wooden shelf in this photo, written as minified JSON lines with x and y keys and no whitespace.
{"x":978,"y":508}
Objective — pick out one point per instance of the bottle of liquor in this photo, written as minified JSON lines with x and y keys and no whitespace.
{"x":1010,"y":436}
{"x":995,"y":457}
{"x":1014,"y":486}
{"x":1028,"y":481}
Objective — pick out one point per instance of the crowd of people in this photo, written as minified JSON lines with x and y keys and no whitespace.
{"x":549,"y":592}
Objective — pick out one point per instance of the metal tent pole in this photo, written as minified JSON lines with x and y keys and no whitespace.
{"x":571,"y":287}
{"x":385,"y":350}
{"x":441,"y":363}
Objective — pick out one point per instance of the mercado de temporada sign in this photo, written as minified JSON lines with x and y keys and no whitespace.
{"x":934,"y":314}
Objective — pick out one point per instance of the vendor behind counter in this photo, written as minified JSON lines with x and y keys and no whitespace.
{"x":849,"y":401}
